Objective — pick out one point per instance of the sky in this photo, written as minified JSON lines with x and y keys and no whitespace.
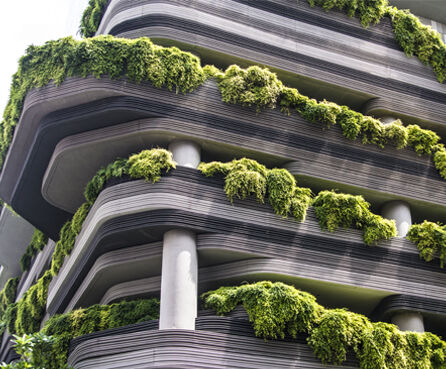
{"x":26,"y":22}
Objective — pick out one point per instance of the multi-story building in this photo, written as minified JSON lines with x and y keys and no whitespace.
{"x":181,"y":236}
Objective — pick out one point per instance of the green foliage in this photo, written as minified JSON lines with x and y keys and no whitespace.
{"x":423,"y":141}
{"x":382,"y":346}
{"x":430,"y":239}
{"x":38,"y":242}
{"x":338,"y":332}
{"x":138,"y":60}
{"x":8,"y":294}
{"x":32,"y":306}
{"x":396,"y":134}
{"x":413,"y":37}
{"x":372,"y":131}
{"x":275,"y":309}
{"x":92,"y":16}
{"x":368,"y":11}
{"x":149,"y":164}
{"x":250,"y":87}
{"x":440,"y":160}
{"x":116,"y":169}
{"x":350,"y":122}
{"x":246,"y":177}
{"x":334,"y":210}
{"x":93,"y":319}
{"x":420,"y":40}
{"x":33,"y":351}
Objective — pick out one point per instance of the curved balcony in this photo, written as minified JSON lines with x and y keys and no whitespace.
{"x":329,"y":55}
{"x":53,"y":114}
{"x":256,"y":245}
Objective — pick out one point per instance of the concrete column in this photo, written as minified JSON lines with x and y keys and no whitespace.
{"x":179,"y":277}
{"x":409,"y":321}
{"x":185,"y":153}
{"x":400,"y":212}
{"x":179,"y":274}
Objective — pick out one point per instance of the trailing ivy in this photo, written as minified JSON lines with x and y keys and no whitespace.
{"x":96,"y":318}
{"x":334,"y":210}
{"x":413,"y":37}
{"x":277,"y":310}
{"x":138,"y":60}
{"x":92,"y":16}
{"x":7,"y":295}
{"x":49,"y":348}
{"x":430,"y":239}
{"x":38,"y":242}
{"x":417,"y":39}
{"x":25,"y":316}
{"x":246,"y":177}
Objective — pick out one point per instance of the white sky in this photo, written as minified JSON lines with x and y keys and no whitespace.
{"x":26,"y":22}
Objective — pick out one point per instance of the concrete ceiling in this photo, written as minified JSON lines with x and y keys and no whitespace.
{"x":432,"y":9}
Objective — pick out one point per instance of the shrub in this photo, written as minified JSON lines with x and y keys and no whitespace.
{"x":430,"y":239}
{"x":8,"y":294}
{"x":275,"y":309}
{"x":368,"y":11}
{"x":246,"y":177}
{"x":335,"y":210}
{"x":38,"y":242}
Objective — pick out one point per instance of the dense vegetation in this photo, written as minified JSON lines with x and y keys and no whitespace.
{"x":49,"y":348}
{"x":38,"y":242}
{"x":430,"y":239}
{"x":246,"y":177}
{"x":277,"y":310}
{"x":335,"y":210}
{"x":140,"y":60}
{"x":25,"y":315}
{"x":413,"y":37}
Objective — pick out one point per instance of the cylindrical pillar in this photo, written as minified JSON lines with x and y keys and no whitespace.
{"x":409,"y":321}
{"x":185,"y":153}
{"x":179,"y":274}
{"x":179,"y":277}
{"x":400,"y":212}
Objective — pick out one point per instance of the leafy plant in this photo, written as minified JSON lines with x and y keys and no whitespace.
{"x":91,"y":18}
{"x":277,"y":310}
{"x":334,"y":210}
{"x":38,"y":242}
{"x":368,"y":11}
{"x":8,"y":294}
{"x":95,"y":318}
{"x":420,"y":40}
{"x":33,"y":350}
{"x":246,"y":177}
{"x":430,"y":239}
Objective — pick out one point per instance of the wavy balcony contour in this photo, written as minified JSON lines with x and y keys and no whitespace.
{"x":292,"y":37}
{"x":52,"y":114}
{"x":217,"y":343}
{"x":309,"y":151}
{"x":137,"y":212}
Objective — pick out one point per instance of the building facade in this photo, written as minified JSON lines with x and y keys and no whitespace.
{"x":180,"y":237}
